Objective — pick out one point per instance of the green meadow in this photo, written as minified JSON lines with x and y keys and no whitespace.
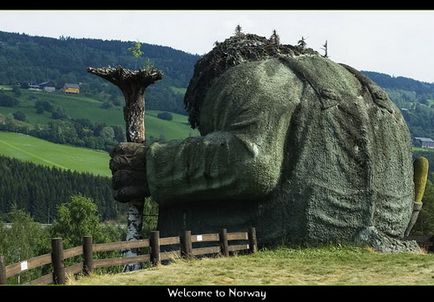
{"x":78,"y":106}
{"x":28,"y":148}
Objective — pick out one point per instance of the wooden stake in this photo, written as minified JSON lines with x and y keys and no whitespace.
{"x":57,"y":260}
{"x":87,"y":255}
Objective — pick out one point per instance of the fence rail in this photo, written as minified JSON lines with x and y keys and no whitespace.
{"x":185,"y":249}
{"x":120,"y":245}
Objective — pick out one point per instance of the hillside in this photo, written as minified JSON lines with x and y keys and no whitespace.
{"x":79,"y":120}
{"x":284,"y":266}
{"x":38,"y":151}
{"x":402,"y":83}
{"x":414,"y":98}
{"x":39,"y":190}
{"x":82,"y":107}
{"x":25,"y":58}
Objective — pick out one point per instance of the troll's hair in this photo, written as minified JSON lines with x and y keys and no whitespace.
{"x":233,"y":51}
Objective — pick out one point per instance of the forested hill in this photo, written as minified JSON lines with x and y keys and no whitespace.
{"x":39,"y":189}
{"x":25,"y":58}
{"x":403,"y":83}
{"x":414,"y":98}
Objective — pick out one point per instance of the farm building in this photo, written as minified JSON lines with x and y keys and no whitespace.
{"x":423,"y":142}
{"x":71,"y":88}
{"x":49,"y":89}
{"x":48,"y":86}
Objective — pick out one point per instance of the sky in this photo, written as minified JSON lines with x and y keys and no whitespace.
{"x":399,"y":43}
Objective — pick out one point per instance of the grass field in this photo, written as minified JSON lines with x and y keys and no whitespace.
{"x":309,"y":266}
{"x":77,"y":106}
{"x":179,"y":90}
{"x":80,"y":159}
{"x":418,"y":149}
{"x":28,"y":148}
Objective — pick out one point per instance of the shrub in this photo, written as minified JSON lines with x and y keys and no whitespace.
{"x":106,"y":105}
{"x":165,"y":116}
{"x":20,"y":116}
{"x":58,"y":113}
{"x":8,"y":101}
{"x":16,"y":90}
{"x":42,"y":106}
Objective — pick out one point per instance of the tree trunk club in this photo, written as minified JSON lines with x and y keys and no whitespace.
{"x":133,"y":84}
{"x":134,"y":113}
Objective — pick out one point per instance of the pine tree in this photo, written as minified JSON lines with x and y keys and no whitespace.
{"x":302,"y":43}
{"x":238,"y":30}
{"x":325,"y":48}
{"x":40,"y":189}
{"x":275,"y":39}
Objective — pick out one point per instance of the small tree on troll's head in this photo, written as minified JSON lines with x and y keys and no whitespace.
{"x":136,"y":51}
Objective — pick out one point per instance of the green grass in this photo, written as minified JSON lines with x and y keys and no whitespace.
{"x":284,"y":266}
{"x":5,"y":87}
{"x":77,"y":106}
{"x":79,"y":159}
{"x":177,"y":128}
{"x":418,"y":149}
{"x":28,"y":148}
{"x":179,"y":90}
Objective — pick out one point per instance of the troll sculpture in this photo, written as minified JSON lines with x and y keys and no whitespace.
{"x":306,"y":150}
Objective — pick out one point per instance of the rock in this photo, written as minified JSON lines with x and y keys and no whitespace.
{"x":370,"y":236}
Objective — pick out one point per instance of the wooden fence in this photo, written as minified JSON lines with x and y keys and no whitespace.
{"x":184,"y":246}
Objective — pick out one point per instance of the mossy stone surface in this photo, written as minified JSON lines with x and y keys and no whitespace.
{"x":307,"y":150}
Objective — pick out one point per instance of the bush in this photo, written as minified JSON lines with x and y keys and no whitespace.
{"x":58,"y":113}
{"x":20,"y":116}
{"x":80,"y":217}
{"x":106,"y":105}
{"x":8,"y":101}
{"x":16,"y":90}
{"x":117,"y":101}
{"x":165,"y":116}
{"x":42,"y":106}
{"x":77,"y":218}
{"x":25,"y":239}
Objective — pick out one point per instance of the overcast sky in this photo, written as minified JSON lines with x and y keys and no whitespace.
{"x":400,"y":43}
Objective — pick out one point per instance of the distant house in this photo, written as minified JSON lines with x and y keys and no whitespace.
{"x":423,"y":142}
{"x":48,"y":86}
{"x":71,"y":88}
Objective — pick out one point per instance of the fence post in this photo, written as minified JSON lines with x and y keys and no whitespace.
{"x":87,"y":255}
{"x":154,"y":243}
{"x":186,"y":246}
{"x":224,"y":242}
{"x":58,"y":261}
{"x":2,"y":270}
{"x":253,"y":243}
